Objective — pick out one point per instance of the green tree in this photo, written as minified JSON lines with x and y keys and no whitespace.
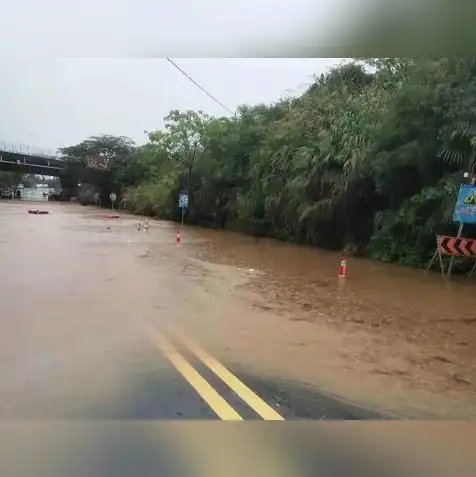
{"x":102,"y":161}
{"x":183,"y":140}
{"x":369,"y":158}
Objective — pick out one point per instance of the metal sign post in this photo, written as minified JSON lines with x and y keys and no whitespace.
{"x":183,"y":203}
{"x":464,"y":212}
{"x":112,"y":196}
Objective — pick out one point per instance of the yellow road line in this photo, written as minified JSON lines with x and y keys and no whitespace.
{"x":244,"y":392}
{"x":222,"y":409}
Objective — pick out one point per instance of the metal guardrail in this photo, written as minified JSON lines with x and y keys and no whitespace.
{"x":29,"y":150}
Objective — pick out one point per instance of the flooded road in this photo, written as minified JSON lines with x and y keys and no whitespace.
{"x":389,"y":337}
{"x":100,"y":320}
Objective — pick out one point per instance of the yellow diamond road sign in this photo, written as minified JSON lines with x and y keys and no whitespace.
{"x":470,"y":199}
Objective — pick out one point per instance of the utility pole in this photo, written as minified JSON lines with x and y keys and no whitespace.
{"x":466,"y":175}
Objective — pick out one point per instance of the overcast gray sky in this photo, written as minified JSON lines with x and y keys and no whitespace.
{"x":52,"y":103}
{"x":57,"y":88}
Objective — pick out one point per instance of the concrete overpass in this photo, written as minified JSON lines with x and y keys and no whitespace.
{"x":29,"y":160}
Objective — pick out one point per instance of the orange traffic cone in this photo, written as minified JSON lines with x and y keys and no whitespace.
{"x":178,"y":238}
{"x":342,"y":268}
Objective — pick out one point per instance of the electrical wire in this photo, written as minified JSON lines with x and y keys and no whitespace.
{"x":199,"y":86}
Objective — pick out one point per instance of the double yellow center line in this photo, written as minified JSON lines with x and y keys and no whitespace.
{"x":216,"y":402}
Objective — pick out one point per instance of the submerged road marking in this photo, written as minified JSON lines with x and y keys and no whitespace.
{"x":240,"y":388}
{"x":221,"y":408}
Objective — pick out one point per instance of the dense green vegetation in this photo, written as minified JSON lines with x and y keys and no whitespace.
{"x":371,"y":155}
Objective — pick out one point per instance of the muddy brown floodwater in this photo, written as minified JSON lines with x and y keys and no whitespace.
{"x":386,"y":337}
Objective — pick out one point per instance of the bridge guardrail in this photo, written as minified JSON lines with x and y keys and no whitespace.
{"x":29,"y":150}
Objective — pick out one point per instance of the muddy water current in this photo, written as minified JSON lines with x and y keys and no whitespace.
{"x":385,"y":337}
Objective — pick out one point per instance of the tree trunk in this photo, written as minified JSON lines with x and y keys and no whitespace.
{"x":190,"y":189}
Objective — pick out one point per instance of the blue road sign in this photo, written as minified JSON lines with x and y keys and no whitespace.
{"x":465,"y":208}
{"x":183,"y":200}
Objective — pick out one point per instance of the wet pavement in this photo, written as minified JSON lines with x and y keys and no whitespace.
{"x":70,"y":306}
{"x":101,"y":321}
{"x":86,"y":304}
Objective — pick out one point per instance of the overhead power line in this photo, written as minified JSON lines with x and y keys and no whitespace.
{"x":199,"y":86}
